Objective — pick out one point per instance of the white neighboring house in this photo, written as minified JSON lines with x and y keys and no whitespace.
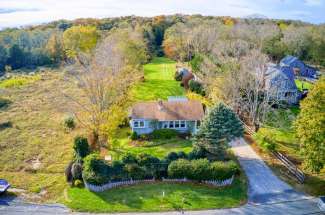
{"x":177,"y":113}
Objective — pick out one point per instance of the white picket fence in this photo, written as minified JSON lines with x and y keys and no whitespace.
{"x":217,"y":183}
{"x":101,"y":188}
{"x":111,"y":185}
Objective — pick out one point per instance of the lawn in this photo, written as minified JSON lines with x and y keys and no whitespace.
{"x":19,"y":81}
{"x":159,"y":82}
{"x":158,"y":148}
{"x":35,"y":113}
{"x":301,"y":85}
{"x":149,"y":197}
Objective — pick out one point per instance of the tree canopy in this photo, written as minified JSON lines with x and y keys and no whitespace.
{"x":310,"y":127}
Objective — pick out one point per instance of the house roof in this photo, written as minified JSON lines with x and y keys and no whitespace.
{"x":287,"y":60}
{"x":275,"y":72}
{"x":168,"y":110}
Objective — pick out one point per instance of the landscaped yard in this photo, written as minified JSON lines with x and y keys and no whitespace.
{"x":157,"y":197}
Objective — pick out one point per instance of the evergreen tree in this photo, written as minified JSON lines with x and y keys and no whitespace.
{"x":219,"y":126}
{"x":310,"y":127}
{"x":16,"y":57}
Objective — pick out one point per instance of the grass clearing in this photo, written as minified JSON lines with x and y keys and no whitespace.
{"x":159,"y":82}
{"x":149,"y":197}
{"x":301,"y":85}
{"x":19,"y":81}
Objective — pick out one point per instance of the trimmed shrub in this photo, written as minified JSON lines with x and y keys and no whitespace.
{"x":164,"y":134}
{"x":202,"y":169}
{"x":69,"y":123}
{"x":95,"y":170}
{"x":76,"y":171}
{"x":178,"y":76}
{"x":129,"y":159}
{"x":196,"y":87}
{"x":81,"y":147}
{"x":134,"y":135}
{"x":171,"y":156}
{"x":181,"y":155}
{"x":135,"y":171}
{"x":196,"y":153}
{"x":223,"y":170}
{"x":179,"y":169}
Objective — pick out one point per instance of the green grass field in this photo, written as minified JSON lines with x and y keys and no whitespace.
{"x":149,"y":197}
{"x":301,"y":85}
{"x":159,"y":82}
{"x":19,"y":81}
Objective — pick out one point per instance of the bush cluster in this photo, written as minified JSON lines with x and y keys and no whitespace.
{"x":196,"y":87}
{"x":157,"y":134}
{"x":178,"y":76}
{"x":69,"y":122}
{"x":202,"y":169}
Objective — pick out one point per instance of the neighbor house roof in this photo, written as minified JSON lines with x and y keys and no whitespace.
{"x":275,"y":73}
{"x":168,"y":110}
{"x":287,"y":60}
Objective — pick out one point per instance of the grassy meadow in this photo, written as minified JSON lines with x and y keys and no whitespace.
{"x":35,"y":147}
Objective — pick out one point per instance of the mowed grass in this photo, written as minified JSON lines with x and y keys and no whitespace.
{"x":159,"y":82}
{"x":158,"y":148}
{"x":157,"y":197}
{"x":301,"y":85}
{"x":36,"y":112}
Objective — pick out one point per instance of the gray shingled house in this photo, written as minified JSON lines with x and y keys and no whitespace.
{"x":280,"y":84}
{"x":177,"y":113}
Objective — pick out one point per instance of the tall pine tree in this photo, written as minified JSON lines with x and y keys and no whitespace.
{"x":219,"y":126}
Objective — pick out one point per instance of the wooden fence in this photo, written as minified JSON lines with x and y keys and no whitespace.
{"x":293,"y":169}
{"x":101,"y":188}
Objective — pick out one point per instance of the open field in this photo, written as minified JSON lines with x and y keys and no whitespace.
{"x":35,"y":147}
{"x":149,"y":197}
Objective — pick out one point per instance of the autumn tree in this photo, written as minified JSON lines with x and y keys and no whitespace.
{"x":79,"y":39}
{"x":310,"y":127}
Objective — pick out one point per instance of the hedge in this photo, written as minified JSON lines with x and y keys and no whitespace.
{"x":201,"y":169}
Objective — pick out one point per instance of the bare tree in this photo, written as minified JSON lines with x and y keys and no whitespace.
{"x":243,"y":88}
{"x":103,"y":79}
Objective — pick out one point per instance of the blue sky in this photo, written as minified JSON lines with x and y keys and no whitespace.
{"x":15,"y":13}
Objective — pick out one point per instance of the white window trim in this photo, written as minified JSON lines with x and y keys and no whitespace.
{"x":139,"y":123}
{"x":174,"y":123}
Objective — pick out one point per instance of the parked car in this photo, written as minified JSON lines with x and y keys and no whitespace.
{"x":321,"y":203}
{"x":4,"y":185}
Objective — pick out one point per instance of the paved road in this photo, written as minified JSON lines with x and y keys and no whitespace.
{"x":264,"y":186}
{"x":267,"y":194}
{"x":299,"y":207}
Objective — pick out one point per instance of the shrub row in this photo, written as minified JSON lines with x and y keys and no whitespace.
{"x":202,"y":169}
{"x":157,"y":134}
{"x":196,"y":87}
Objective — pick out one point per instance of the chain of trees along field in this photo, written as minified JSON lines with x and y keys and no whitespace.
{"x":105,"y":57}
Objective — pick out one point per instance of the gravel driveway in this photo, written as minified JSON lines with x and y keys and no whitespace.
{"x":264,"y":186}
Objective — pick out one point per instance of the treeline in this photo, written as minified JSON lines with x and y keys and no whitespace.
{"x":49,"y":44}
{"x":55,"y":42}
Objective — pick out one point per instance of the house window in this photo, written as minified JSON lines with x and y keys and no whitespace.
{"x":183,"y":125}
{"x":176,"y":124}
{"x":138,"y":124}
{"x":171,"y":124}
